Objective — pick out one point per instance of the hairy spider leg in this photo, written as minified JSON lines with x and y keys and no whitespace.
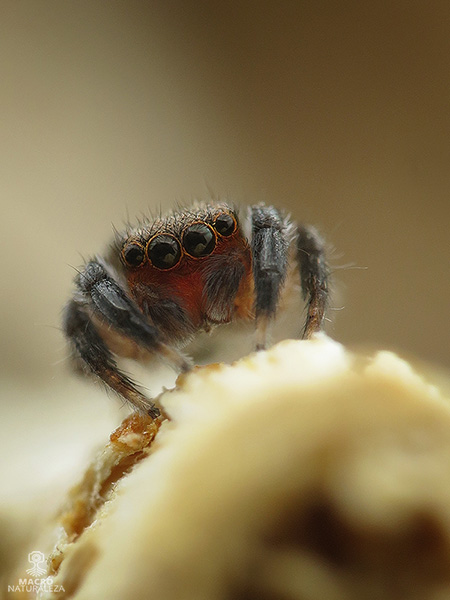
{"x":95,"y":355}
{"x":314,"y":275}
{"x":270,"y":245}
{"x":98,"y":294}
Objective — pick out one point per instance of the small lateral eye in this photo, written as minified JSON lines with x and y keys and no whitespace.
{"x":199,"y":240}
{"x":225,"y":224}
{"x":133,"y":254}
{"x":164,"y":251}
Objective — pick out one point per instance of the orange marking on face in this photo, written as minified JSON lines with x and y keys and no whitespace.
{"x":244,"y":301}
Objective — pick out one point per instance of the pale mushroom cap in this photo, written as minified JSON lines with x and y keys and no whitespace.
{"x":301,"y":472}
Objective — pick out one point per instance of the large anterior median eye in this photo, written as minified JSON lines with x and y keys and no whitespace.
{"x":133,"y":254}
{"x":164,"y":251}
{"x":199,"y":240}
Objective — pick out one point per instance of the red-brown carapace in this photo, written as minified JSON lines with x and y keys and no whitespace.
{"x":170,"y":277}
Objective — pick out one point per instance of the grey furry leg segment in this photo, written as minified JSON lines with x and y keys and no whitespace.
{"x":314,"y":274}
{"x":110,"y":303}
{"x":91,"y":349}
{"x":270,"y":244}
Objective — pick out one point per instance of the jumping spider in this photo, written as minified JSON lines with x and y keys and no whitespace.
{"x":167,"y":279}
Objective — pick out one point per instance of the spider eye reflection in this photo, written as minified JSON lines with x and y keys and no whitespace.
{"x":133,"y":254}
{"x":225,"y":224}
{"x":199,"y":240}
{"x":164,"y":251}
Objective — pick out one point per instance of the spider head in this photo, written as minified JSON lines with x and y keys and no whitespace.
{"x":200,"y":258}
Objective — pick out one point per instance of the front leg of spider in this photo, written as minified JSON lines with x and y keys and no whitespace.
{"x":100,"y":299}
{"x":271,"y":237}
{"x":314,"y":274}
{"x":270,"y":245}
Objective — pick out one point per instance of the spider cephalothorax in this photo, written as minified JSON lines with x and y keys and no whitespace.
{"x":168,"y":278}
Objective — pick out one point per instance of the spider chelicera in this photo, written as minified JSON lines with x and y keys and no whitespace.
{"x":168,"y":278}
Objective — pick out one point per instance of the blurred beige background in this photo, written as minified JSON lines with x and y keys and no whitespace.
{"x":338,"y":111}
